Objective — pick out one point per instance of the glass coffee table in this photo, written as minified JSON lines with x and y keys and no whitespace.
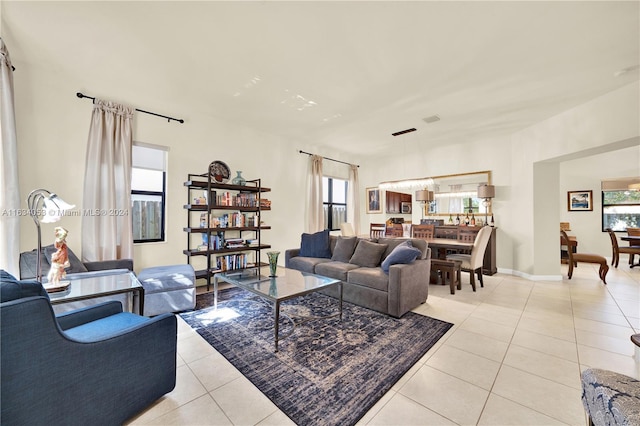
{"x":90,"y":287}
{"x":288,"y":284}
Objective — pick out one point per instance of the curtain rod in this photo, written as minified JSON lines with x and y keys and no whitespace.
{"x":80,"y":95}
{"x":330,"y":159}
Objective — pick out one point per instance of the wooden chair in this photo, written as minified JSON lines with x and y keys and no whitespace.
{"x":574,"y":258}
{"x":468,"y":235}
{"x":377,"y":230}
{"x":615,"y":257}
{"x":394,"y":230}
{"x":422,"y":231}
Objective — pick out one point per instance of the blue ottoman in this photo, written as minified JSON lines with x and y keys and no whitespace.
{"x":168,"y":289}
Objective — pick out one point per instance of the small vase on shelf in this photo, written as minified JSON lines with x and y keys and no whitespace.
{"x":239,"y":180}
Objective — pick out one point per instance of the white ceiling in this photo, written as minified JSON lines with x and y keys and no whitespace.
{"x":344,"y":75}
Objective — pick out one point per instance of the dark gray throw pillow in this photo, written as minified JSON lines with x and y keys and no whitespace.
{"x":344,"y":249}
{"x":315,"y":245}
{"x":368,"y":254}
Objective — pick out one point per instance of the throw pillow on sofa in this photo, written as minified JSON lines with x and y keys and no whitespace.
{"x":344,"y":249}
{"x":315,"y":245}
{"x":403,"y":253}
{"x":368,"y":254}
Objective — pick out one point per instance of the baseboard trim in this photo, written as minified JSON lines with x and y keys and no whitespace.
{"x":529,"y":276}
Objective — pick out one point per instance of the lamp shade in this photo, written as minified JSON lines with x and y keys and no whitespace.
{"x":424,"y":195}
{"x":486,"y":191}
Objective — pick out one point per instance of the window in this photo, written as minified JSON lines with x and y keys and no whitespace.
{"x":620,"y":209}
{"x":334,"y":200}
{"x":148,"y":192}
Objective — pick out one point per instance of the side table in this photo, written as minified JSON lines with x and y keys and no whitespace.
{"x":93,"y":286}
{"x":450,"y":271}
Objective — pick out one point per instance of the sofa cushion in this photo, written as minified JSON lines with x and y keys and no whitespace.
{"x":369,"y":277}
{"x":336,"y":270}
{"x":344,"y":249}
{"x":368,"y":254}
{"x":315,"y":245}
{"x":403,"y":253}
{"x":306,"y":264}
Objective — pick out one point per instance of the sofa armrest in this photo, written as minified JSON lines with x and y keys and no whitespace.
{"x":81,"y":316}
{"x":408,"y":283}
{"x":290,"y":253}
{"x":102,"y":265}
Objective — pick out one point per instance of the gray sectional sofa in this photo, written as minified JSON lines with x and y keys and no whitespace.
{"x":359,"y":262}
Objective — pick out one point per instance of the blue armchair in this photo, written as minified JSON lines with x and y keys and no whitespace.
{"x":97,"y":365}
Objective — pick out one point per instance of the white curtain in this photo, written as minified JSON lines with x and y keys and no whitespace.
{"x":314,"y":200}
{"x":353,"y":200}
{"x":107,"y":230}
{"x":9,"y":194}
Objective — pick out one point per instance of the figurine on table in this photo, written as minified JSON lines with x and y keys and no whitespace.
{"x":59,"y":259}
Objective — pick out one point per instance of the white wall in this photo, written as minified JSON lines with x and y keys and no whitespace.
{"x":586,"y":173}
{"x":52,"y":127}
{"x":597,"y":130}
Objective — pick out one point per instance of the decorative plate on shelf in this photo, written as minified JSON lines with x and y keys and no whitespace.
{"x":219,"y":171}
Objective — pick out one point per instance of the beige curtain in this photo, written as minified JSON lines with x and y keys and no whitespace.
{"x":107,"y":230}
{"x":315,"y":212}
{"x":9,"y":194}
{"x":353,"y":199}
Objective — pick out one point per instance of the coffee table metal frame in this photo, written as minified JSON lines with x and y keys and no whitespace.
{"x":288,"y":284}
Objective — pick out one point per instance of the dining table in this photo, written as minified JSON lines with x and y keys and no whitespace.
{"x":441,"y":245}
{"x":634,"y":240}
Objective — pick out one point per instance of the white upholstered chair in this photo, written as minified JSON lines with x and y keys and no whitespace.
{"x":473,"y":262}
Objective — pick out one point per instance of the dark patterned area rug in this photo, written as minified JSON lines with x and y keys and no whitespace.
{"x":327,"y":372}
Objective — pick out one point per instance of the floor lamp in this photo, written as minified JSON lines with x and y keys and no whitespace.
{"x":45,"y":204}
{"x":487,"y":192}
{"x":424,"y":196}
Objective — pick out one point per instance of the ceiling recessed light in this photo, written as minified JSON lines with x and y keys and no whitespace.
{"x":431,"y":119}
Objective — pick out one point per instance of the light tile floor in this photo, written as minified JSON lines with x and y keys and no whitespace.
{"x":513,"y":357}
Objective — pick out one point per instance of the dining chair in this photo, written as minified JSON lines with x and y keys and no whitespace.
{"x":394,"y":230}
{"x":472,"y":263}
{"x":377,"y":230}
{"x":616,"y":249}
{"x":633,"y":232}
{"x":467,"y":235}
{"x":422,"y":231}
{"x":574,"y":258}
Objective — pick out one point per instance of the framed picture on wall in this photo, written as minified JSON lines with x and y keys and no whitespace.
{"x":374,"y":203}
{"x":579,"y":201}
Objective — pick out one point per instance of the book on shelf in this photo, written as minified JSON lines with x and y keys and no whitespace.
{"x":234,"y":243}
{"x":231,"y":261}
{"x":252,"y":242}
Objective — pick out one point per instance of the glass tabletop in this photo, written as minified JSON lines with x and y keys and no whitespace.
{"x":98,"y":285}
{"x":287,"y":284}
